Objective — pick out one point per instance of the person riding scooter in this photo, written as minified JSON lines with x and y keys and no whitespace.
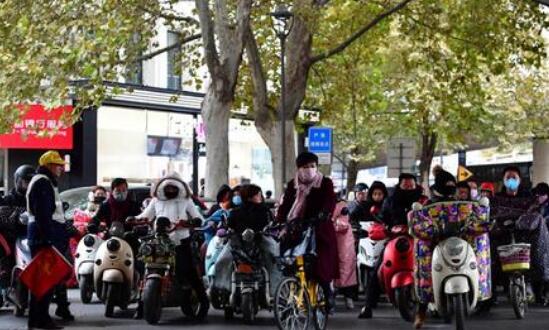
{"x":172,"y":199}
{"x":444,"y":190}
{"x":11,"y":207}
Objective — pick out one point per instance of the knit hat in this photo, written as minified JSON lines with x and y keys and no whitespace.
{"x":305,"y":158}
{"x":441,"y":180}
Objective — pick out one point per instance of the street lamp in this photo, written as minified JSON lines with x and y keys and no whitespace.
{"x":282,"y":25}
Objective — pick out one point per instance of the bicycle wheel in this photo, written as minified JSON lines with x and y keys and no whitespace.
{"x":292,"y":305}
{"x":321,"y":309}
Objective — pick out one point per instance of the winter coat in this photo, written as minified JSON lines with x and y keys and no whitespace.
{"x":533,"y":230}
{"x":179,"y":208}
{"x":320,"y":200}
{"x":345,"y":248}
{"x":249,"y":215}
{"x":112,"y":210}
{"x":425,"y":226}
{"x":43,"y":204}
{"x":396,"y":208}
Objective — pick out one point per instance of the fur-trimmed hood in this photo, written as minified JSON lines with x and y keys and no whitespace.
{"x":172,"y":179}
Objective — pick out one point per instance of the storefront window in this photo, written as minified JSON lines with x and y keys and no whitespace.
{"x":123,"y":150}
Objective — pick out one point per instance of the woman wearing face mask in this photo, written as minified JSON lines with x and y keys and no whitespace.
{"x":310,"y":196}
{"x":172,"y":199}
{"x":118,"y":206}
{"x":96,"y":197}
{"x":533,"y":230}
{"x":422,"y":228}
{"x":251,"y":213}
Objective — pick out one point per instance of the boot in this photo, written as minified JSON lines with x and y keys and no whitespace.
{"x":64,"y":313}
{"x":420,"y":319}
{"x":365,"y":313}
{"x":139,"y":311}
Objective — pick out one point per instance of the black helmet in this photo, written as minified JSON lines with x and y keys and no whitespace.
{"x":22,"y":176}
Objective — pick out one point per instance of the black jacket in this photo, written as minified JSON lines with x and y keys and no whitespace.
{"x":396,"y":208}
{"x":14,"y":199}
{"x":44,"y":230}
{"x":249,"y":215}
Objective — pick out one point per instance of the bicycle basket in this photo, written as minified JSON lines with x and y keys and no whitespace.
{"x":514,"y":257}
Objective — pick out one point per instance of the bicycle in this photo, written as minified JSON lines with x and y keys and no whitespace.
{"x":299,"y":299}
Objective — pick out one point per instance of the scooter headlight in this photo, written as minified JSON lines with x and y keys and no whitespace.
{"x":89,"y":241}
{"x":454,"y":248}
{"x":146,"y":250}
{"x":113,"y":245}
{"x":437,"y":267}
{"x":473,"y":265}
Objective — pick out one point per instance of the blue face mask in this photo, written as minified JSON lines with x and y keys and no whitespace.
{"x":237,"y":200}
{"x":511,"y":184}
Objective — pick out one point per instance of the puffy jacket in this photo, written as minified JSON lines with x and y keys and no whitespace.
{"x":179,"y":208}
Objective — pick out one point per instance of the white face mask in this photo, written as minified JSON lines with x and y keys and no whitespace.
{"x":307,"y":175}
{"x":474,"y":194}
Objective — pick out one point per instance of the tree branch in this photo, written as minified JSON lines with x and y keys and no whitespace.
{"x":178,"y":44}
{"x":168,"y":16}
{"x":360,"y":32}
{"x":258,"y":76}
{"x":206,"y":25}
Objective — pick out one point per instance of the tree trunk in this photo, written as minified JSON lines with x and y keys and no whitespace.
{"x":271,"y":134}
{"x":352,"y":174}
{"x":216,"y":113}
{"x":428,"y":145}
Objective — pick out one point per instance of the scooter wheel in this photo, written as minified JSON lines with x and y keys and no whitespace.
{"x":194,"y":307}
{"x":405,"y":303}
{"x":85,"y":284}
{"x":152,"y":300}
{"x":459,"y":311}
{"x":518,"y":300}
{"x":110,"y":299}
{"x":247,"y":306}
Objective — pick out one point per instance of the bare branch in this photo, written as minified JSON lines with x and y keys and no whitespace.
{"x":178,"y":44}
{"x":341,"y":47}
{"x":169,"y":16}
{"x":208,"y":39}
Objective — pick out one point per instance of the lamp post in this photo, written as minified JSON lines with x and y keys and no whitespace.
{"x":282,"y":25}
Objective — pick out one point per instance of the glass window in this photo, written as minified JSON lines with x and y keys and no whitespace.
{"x":174,"y":55}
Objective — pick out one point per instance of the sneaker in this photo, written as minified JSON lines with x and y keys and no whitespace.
{"x":365,"y":313}
{"x":349,"y":303}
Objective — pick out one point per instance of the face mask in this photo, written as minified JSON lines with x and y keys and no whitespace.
{"x":542,"y":199}
{"x":120,"y":196}
{"x":512,"y":184}
{"x":474,"y":194}
{"x":171,"y":194}
{"x":307,"y":175}
{"x":99,"y":199}
{"x":237,"y":200}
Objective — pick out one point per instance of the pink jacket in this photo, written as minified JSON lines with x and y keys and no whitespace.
{"x":345,"y":247}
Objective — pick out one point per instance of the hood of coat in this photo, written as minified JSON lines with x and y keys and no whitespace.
{"x":172,"y":179}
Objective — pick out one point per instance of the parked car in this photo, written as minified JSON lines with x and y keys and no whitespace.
{"x":77,"y":198}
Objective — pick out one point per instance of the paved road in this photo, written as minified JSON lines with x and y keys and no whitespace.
{"x":385,"y":317}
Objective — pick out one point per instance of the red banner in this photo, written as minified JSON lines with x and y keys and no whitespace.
{"x":47,"y":269}
{"x":40,"y":129}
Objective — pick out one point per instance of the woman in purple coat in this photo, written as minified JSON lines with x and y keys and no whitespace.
{"x":310,"y":196}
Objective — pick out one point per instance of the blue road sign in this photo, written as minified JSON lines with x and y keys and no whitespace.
{"x":320,"y":140}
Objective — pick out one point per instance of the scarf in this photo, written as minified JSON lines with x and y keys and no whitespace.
{"x":302,"y":191}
